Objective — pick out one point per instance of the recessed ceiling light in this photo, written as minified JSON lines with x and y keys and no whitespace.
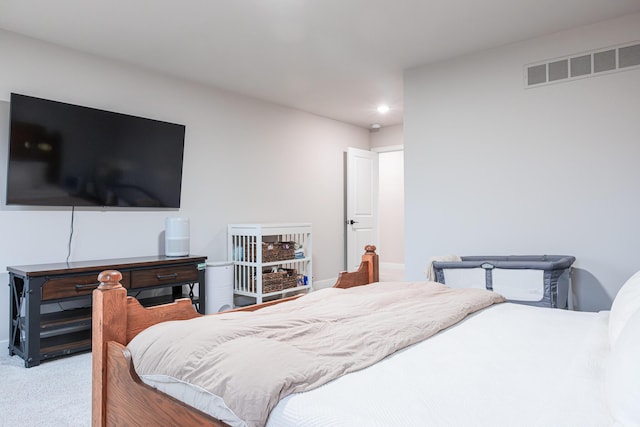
{"x":383,"y":108}
{"x":375,"y":125}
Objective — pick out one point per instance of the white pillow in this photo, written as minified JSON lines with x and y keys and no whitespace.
{"x":626,"y":302}
{"x":622,"y":381}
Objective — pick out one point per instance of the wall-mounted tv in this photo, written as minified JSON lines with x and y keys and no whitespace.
{"x":69,"y":155}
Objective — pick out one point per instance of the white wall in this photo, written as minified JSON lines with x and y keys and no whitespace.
{"x":387,"y":136}
{"x":494,"y":168}
{"x":245,"y":161}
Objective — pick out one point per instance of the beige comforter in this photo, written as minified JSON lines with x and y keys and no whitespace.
{"x":254,"y":359}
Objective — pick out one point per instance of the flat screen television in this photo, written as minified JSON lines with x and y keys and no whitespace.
{"x":69,"y":155}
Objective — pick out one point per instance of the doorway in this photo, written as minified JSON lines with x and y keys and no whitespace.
{"x":374,"y":208}
{"x":391,"y":213}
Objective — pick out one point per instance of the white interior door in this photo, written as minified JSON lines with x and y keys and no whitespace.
{"x":361,"y":204}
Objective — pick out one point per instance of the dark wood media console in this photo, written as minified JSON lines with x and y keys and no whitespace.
{"x":36,"y":334}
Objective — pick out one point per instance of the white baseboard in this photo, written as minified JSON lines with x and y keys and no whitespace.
{"x":4,"y":344}
{"x":391,"y":265}
{"x":321,"y":284}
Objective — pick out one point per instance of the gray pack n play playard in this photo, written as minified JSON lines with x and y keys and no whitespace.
{"x":540,"y":280}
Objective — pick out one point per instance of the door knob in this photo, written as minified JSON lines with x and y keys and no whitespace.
{"x":351,"y":222}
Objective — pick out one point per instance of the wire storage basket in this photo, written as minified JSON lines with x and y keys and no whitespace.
{"x":284,"y":278}
{"x":271,"y":251}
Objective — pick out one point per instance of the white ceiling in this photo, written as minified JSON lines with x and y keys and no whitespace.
{"x":334,"y":58}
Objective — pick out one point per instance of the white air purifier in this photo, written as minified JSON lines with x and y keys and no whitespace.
{"x":176,"y":237}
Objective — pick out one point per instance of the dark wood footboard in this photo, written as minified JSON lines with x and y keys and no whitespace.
{"x":119,"y":397}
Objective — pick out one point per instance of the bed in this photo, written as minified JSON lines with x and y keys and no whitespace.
{"x":503,"y":364}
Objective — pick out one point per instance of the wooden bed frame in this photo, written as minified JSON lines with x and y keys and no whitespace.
{"x":119,"y":397}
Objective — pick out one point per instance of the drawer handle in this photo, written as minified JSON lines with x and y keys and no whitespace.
{"x":166,"y":276}
{"x":89,"y":286}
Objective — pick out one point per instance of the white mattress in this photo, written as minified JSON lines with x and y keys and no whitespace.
{"x":508,"y":365}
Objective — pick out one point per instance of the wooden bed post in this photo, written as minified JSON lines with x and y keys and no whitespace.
{"x":371,"y":257}
{"x":109,"y":323}
{"x":367,"y":272}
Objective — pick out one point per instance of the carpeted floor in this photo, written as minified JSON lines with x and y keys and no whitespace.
{"x":55,"y":393}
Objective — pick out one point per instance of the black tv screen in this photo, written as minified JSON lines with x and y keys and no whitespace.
{"x":68,"y":155}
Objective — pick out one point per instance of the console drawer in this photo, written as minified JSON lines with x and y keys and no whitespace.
{"x":74,"y":286}
{"x":163,"y":276}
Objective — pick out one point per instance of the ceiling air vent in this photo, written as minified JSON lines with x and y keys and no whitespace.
{"x":585,"y":64}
